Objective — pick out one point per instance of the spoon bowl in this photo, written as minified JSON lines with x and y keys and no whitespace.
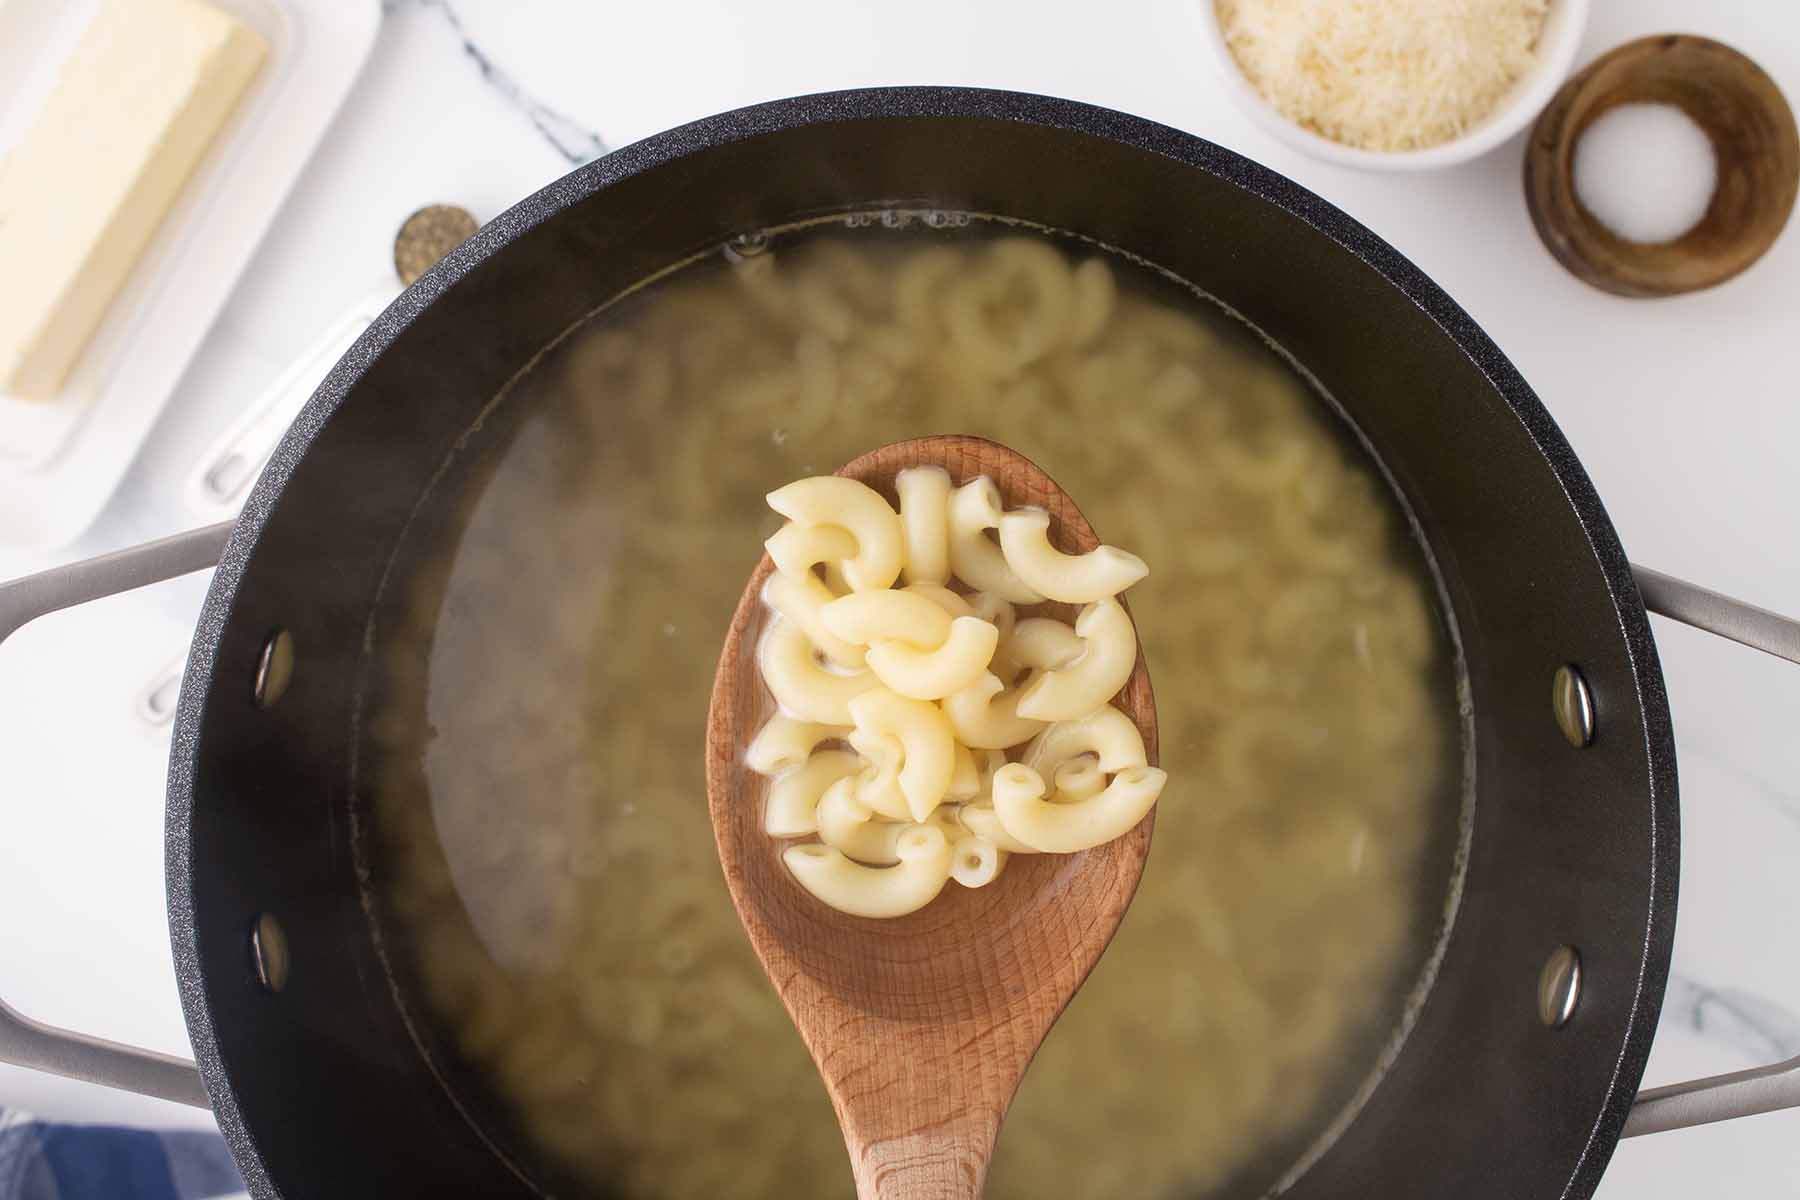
{"x":922,"y":1026}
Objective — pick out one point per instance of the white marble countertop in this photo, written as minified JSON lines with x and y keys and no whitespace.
{"x":1684,"y":412}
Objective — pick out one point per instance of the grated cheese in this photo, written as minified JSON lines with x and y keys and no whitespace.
{"x":1383,"y":74}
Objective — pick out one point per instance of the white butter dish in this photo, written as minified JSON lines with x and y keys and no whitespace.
{"x":60,"y":458}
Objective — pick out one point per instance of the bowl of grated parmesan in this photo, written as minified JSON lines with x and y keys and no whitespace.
{"x":1394,"y":85}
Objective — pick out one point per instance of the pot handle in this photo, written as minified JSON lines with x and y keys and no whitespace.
{"x":23,"y":1041}
{"x":1759,"y":1089}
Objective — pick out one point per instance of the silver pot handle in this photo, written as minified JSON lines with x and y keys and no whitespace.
{"x":1705,"y":609}
{"x":23,"y":1041}
{"x":1760,"y":1089}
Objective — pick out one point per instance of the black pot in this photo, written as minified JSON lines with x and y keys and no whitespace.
{"x":1497,"y":1091}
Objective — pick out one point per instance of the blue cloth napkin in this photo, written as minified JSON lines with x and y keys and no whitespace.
{"x":44,"y":1161}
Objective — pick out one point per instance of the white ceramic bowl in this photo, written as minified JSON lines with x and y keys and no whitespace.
{"x":1564,"y":24}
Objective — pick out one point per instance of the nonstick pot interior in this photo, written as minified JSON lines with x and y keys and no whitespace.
{"x":319,"y":1087}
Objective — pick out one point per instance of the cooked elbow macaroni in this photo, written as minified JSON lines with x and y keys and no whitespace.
{"x":806,"y":690}
{"x":975,"y":861}
{"x":792,"y":810}
{"x":982,"y":821}
{"x":785,"y":742}
{"x":878,"y":786}
{"x":1109,"y":652}
{"x":996,"y":612}
{"x":869,"y":617}
{"x":895,"y":633}
{"x":1063,"y":826}
{"x":975,"y":509}
{"x":933,"y":674}
{"x":1040,"y":643}
{"x":952,"y":603}
{"x":847,"y":824}
{"x":925,"y":523}
{"x":1106,"y":733}
{"x":797,"y":549}
{"x":800,"y":599}
{"x":927,"y":747}
{"x":913,"y":882}
{"x":859,"y":509}
{"x":985,"y":715}
{"x":1071,"y":578}
{"x":965,"y":776}
{"x":1078,"y":779}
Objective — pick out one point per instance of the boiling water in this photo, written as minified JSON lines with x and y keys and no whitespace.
{"x":543,"y":873}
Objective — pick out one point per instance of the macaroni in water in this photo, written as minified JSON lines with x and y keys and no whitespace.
{"x":541,"y":864}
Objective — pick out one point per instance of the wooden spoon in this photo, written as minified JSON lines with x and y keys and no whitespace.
{"x":922,"y":1026}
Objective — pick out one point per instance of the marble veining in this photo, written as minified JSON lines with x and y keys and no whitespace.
{"x":574,"y":142}
{"x":1754,"y":1026}
{"x":1782,"y":798}
{"x":1759,"y":1029}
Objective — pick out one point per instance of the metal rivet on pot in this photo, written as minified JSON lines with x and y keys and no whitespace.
{"x":747,"y":245}
{"x":1559,"y":986}
{"x":269,"y":952}
{"x":274,"y":669}
{"x":1573,"y":705}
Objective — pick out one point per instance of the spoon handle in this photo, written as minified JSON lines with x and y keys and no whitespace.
{"x":944,"y":1160}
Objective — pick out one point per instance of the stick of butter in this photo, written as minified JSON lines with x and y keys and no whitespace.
{"x":145,"y":93}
